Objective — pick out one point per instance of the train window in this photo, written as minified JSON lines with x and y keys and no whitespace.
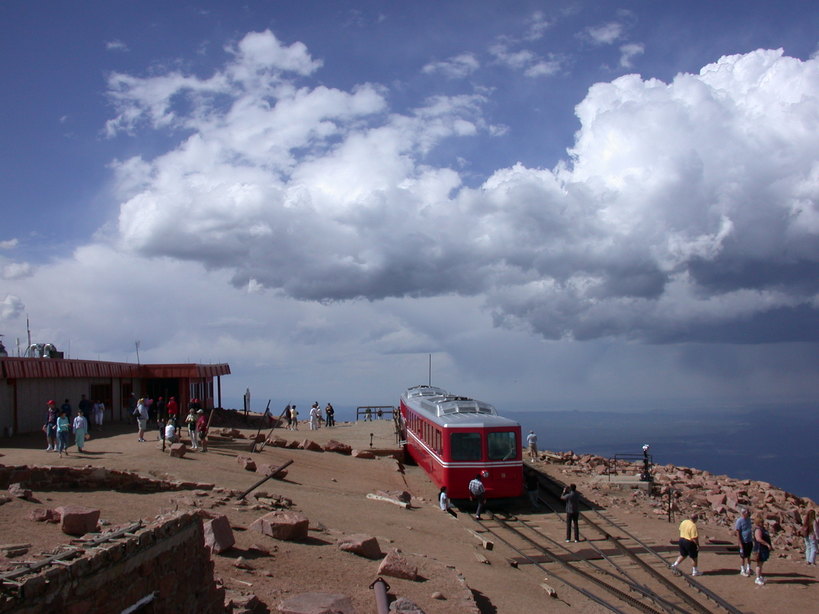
{"x":466,"y":446}
{"x":502,"y":446}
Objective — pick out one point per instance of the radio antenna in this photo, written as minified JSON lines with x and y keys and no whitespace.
{"x":429,"y":376}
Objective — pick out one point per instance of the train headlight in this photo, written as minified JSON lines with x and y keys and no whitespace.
{"x":484,"y":474}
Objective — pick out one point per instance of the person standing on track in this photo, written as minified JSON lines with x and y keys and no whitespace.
{"x":477,"y":492}
{"x":531,"y":440}
{"x":571,"y":498}
{"x":689,"y":544}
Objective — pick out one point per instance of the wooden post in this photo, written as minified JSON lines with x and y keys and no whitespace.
{"x":264,"y":415}
{"x":265,"y":479}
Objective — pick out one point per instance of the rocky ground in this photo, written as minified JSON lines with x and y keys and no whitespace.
{"x":454,"y":573}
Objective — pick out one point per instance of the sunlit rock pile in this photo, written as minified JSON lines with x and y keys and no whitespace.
{"x":717,"y":499}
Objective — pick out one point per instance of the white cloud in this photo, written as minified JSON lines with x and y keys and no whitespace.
{"x":628,"y":52}
{"x":11,"y":307}
{"x":116,"y":45}
{"x":15,"y":270}
{"x":525,"y":61}
{"x":604,"y":34}
{"x":456,"y":67}
{"x":9,"y":244}
{"x":687,"y":210}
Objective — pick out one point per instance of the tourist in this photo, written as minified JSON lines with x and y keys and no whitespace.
{"x":477,"y":492}
{"x":160,"y":409}
{"x":286,"y":414}
{"x":744,"y":529}
{"x":202,"y":430}
{"x":294,"y":418}
{"x":314,"y":417}
{"x":99,"y":414}
{"x":173,"y":409}
{"x":85,"y":406}
{"x":571,"y":498}
{"x":141,"y":414}
{"x":190,"y":421}
{"x":331,"y":415}
{"x":170,"y":432}
{"x":689,"y":544}
{"x":762,"y":547}
{"x":80,"y":426}
{"x":50,"y":427}
{"x":66,"y":407}
{"x":810,"y":533}
{"x":531,"y":441}
{"x":443,"y":501}
{"x":63,"y":428}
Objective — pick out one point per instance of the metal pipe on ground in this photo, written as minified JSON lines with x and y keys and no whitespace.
{"x":381,"y":601}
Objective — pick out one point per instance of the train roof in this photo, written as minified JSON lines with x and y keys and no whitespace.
{"x":452,"y":410}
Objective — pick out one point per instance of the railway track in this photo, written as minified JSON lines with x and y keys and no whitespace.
{"x":614,"y":568}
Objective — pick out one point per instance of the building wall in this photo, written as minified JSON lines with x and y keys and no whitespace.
{"x":166,"y":566}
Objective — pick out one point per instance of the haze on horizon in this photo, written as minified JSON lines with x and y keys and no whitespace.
{"x":568,"y":205}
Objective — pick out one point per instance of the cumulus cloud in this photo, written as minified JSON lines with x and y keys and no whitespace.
{"x":9,"y":244}
{"x":525,"y":61}
{"x":11,"y":307}
{"x":686,"y":210}
{"x":456,"y":67}
{"x":15,"y":270}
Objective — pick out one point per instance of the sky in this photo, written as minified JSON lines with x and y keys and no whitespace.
{"x":545,"y":205}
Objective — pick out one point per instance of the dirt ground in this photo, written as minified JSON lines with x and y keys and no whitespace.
{"x":331,"y":490}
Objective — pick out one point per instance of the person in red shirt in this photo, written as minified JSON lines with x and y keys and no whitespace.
{"x":173,"y":409}
{"x":202,"y":429}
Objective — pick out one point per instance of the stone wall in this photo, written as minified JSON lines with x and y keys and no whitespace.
{"x":91,"y":478}
{"x":165,"y":565}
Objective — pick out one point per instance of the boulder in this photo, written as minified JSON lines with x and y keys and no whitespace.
{"x":397,"y":565}
{"x":337,"y":447}
{"x":219,"y":535}
{"x":266,"y":469}
{"x":308,"y":444}
{"x":178,"y":450}
{"x":41,"y":514}
{"x":78,"y":520}
{"x":282,"y":524}
{"x":277,"y":442}
{"x":317,"y":603}
{"x":362,"y":545}
{"x":362,"y":454}
{"x":247,"y":463}
{"x":17,"y":490}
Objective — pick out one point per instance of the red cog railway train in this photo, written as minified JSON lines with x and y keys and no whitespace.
{"x":455,"y":438}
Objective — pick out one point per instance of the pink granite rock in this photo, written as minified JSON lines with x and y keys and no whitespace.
{"x":282,"y":524}
{"x":219,"y":535}
{"x":41,"y":514}
{"x":266,"y":469}
{"x":17,"y":490}
{"x":397,"y":565}
{"x":337,"y":447}
{"x":362,"y":545}
{"x":178,"y":450}
{"x":362,"y":454}
{"x":78,"y":520}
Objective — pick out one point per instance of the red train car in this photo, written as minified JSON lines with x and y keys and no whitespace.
{"x":455,"y":438}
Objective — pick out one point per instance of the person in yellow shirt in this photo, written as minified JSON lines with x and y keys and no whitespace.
{"x":689,"y":544}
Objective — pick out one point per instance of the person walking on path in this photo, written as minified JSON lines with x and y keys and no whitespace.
{"x":80,"y":426}
{"x":810,"y":533}
{"x":571,"y":498}
{"x":315,"y":412}
{"x":443,"y":501}
{"x":531,"y":441}
{"x":744,"y":529}
{"x":202,"y":430}
{"x":141,"y":413}
{"x":50,"y":427}
{"x":99,"y":414}
{"x":477,"y":492}
{"x":762,"y":547}
{"x":689,"y":544}
{"x":331,"y":415}
{"x":191,"y":422}
{"x":63,"y":428}
{"x":294,"y":418}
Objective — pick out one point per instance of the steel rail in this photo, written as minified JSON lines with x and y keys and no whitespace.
{"x":625,"y":597}
{"x":579,"y":589}
{"x":624,"y":576}
{"x":691,"y":581}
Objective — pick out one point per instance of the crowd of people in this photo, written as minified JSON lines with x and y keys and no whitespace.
{"x":315,"y":418}
{"x":60,"y":423}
